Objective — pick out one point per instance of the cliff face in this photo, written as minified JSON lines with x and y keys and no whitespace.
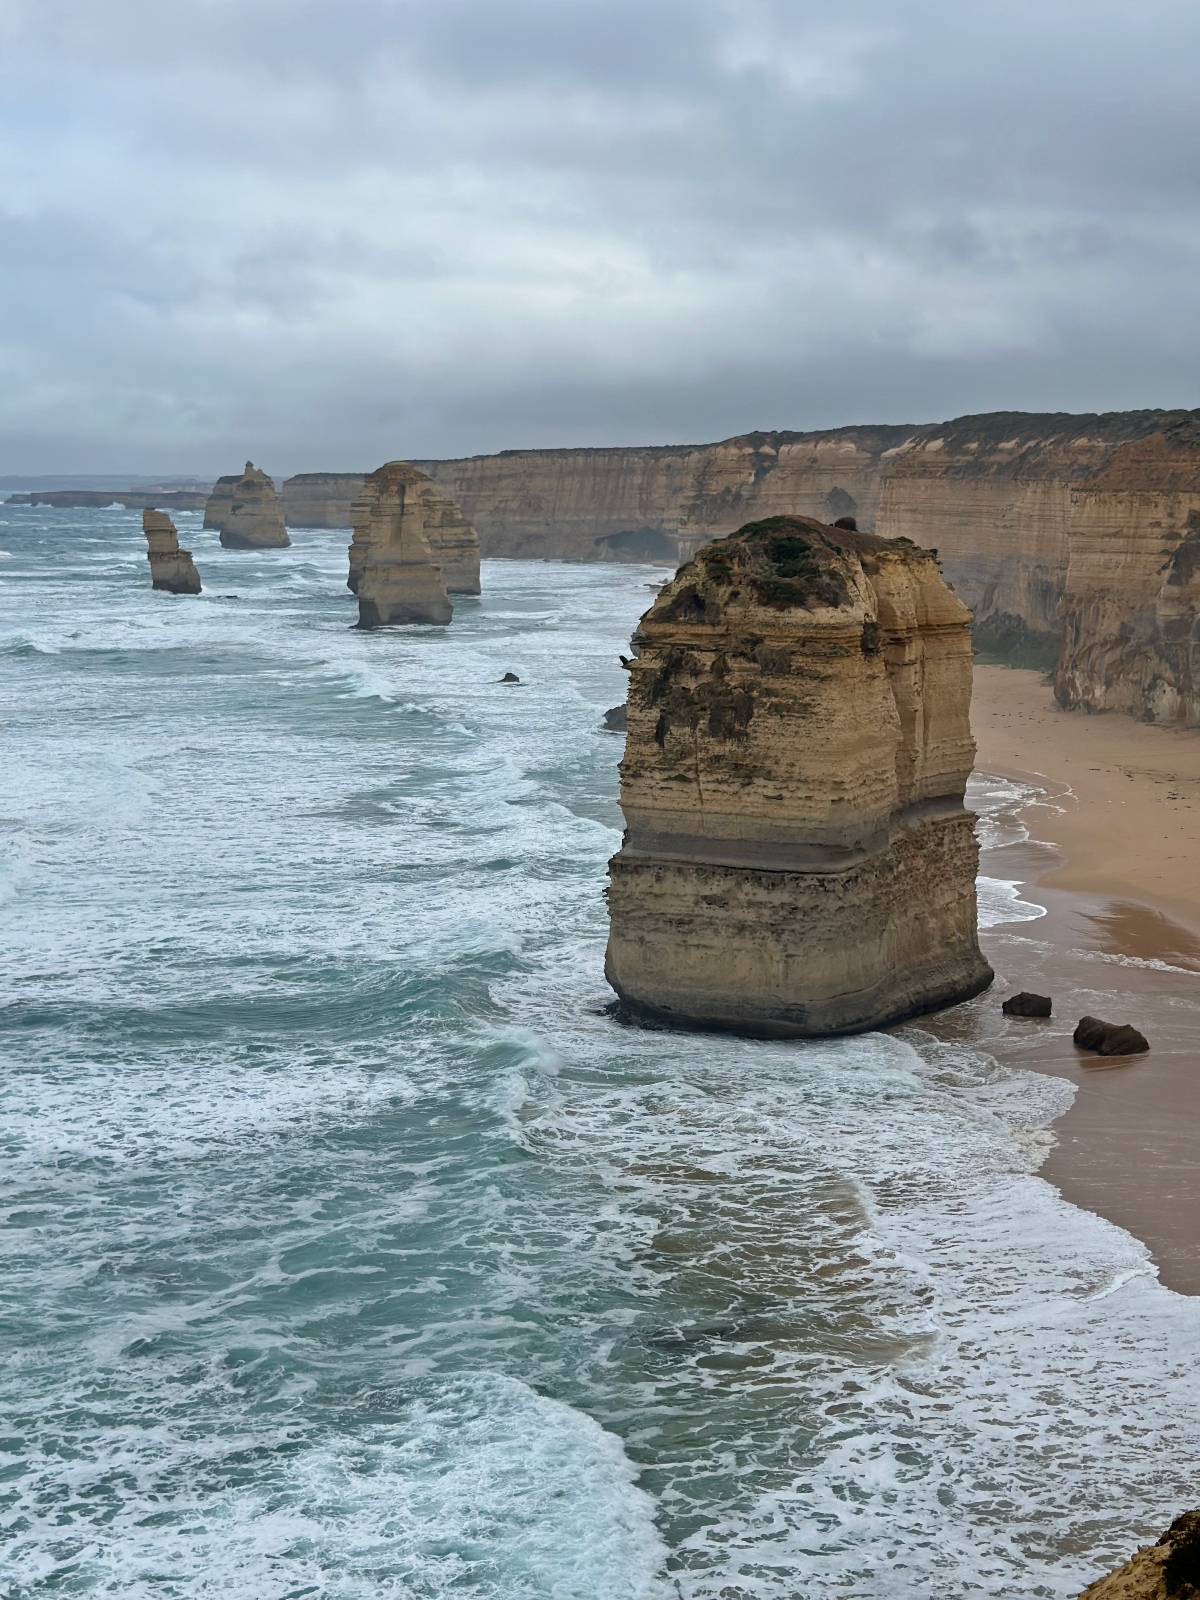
{"x":254,"y":520}
{"x":661,"y":503}
{"x":392,"y":568}
{"x":171,"y":568}
{"x":1158,"y":1571}
{"x":220,"y":502}
{"x":1131,"y":606}
{"x":319,"y":499}
{"x":452,"y":541}
{"x":797,"y":858}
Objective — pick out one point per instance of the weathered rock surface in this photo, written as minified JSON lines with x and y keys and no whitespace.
{"x":1131,"y":606}
{"x":171,"y":568}
{"x":452,"y":541}
{"x":255,"y":520}
{"x":1026,"y":1004}
{"x":392,"y":567}
{"x":797,"y":859}
{"x":320,"y":499}
{"x":219,"y":505}
{"x":1109,"y":1038}
{"x":1170,"y":1568}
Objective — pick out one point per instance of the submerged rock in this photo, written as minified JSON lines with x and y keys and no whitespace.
{"x":1109,"y":1038}
{"x":171,"y":568}
{"x":392,"y":568}
{"x":510,"y":677}
{"x":1027,"y":1005}
{"x":1158,"y":1571}
{"x":452,"y":541}
{"x":797,"y":857}
{"x":255,"y":520}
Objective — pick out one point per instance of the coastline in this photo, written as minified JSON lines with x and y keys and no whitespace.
{"x":1101,"y":816}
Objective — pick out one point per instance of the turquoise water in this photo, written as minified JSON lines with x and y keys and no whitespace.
{"x":350,"y":1251}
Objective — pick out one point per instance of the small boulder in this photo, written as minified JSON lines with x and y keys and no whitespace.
{"x":1109,"y":1038}
{"x":1026,"y":1005}
{"x":615,"y":720}
{"x":510,"y":677}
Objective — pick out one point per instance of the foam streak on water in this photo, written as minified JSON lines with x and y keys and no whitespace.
{"x":350,"y":1252}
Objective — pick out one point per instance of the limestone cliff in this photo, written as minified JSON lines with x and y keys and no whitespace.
{"x":319,"y":499}
{"x":220,"y":502}
{"x":659,"y":503}
{"x":171,"y":568}
{"x":392,"y":568}
{"x":452,"y":541}
{"x":1131,"y":603}
{"x":254,"y":520}
{"x":797,"y":858}
{"x":1158,"y":1571}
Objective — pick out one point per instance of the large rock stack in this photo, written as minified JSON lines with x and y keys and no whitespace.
{"x":255,"y":520}
{"x":797,"y":859}
{"x":220,"y":502}
{"x":412,"y":548}
{"x":171,"y":568}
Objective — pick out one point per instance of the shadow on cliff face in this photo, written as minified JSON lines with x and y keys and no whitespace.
{"x":638,"y":544}
{"x":1003,"y":640}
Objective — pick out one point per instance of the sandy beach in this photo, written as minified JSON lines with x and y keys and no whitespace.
{"x":1112,"y":824}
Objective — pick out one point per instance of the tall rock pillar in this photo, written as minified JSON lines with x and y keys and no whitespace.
{"x":797,"y":858}
{"x":171,"y":568}
{"x":392,"y":568}
{"x":255,"y":518}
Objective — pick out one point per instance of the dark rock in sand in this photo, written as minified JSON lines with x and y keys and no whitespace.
{"x":510,"y":677}
{"x":1109,"y":1038}
{"x":615,"y":720}
{"x":1027,"y":1005}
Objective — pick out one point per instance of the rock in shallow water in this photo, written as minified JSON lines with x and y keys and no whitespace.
{"x":797,"y":858}
{"x":1109,"y":1038}
{"x":1026,"y":1004}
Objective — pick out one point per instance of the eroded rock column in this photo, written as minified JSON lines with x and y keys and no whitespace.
{"x":171,"y":568}
{"x":797,"y":857}
{"x":255,"y":518}
{"x":392,"y":567}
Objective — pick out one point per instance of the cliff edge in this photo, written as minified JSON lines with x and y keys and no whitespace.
{"x":797,"y":858}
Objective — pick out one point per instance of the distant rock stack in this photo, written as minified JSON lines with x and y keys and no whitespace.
{"x":797,"y":859}
{"x":220,"y":502}
{"x":453,"y":542}
{"x":392,"y":569}
{"x":171,"y":568}
{"x":255,"y":520}
{"x":319,"y":499}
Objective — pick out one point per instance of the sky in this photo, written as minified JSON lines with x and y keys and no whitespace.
{"x":327,"y":233}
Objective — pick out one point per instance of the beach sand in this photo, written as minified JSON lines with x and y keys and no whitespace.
{"x":1112,"y":812}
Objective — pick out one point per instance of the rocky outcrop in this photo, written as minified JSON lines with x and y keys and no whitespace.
{"x":219,"y":504}
{"x":1027,"y":1004}
{"x":319,"y":499}
{"x":797,"y":859}
{"x":1109,"y":1038}
{"x":254,"y":520}
{"x":131,"y":499}
{"x":452,"y":541}
{"x":1170,"y":1568}
{"x":392,"y":567}
{"x":1131,"y":606}
{"x":171,"y":568}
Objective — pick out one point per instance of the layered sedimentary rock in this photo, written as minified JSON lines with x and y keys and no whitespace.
{"x":319,"y":499}
{"x":171,"y":568}
{"x":797,"y":859}
{"x":392,"y":568}
{"x":1131,"y":602}
{"x":220,"y":502}
{"x":452,"y":541}
{"x":1158,"y":1571}
{"x":254,"y":520}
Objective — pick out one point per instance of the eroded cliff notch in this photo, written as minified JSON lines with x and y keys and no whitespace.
{"x":171,"y":568}
{"x":412,"y":548}
{"x":797,"y":858}
{"x":254,"y":520}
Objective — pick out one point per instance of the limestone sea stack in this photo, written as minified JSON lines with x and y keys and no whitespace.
{"x":171,"y":568}
{"x":255,"y":520}
{"x":392,"y":568}
{"x":220,"y":502}
{"x":413,"y":496}
{"x":797,"y":858}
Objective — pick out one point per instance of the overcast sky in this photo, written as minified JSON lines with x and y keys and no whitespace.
{"x":324,"y":233}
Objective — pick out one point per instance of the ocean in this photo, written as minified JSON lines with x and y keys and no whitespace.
{"x":352,"y":1251}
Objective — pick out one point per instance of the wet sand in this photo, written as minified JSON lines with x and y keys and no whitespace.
{"x":1112,"y":856}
